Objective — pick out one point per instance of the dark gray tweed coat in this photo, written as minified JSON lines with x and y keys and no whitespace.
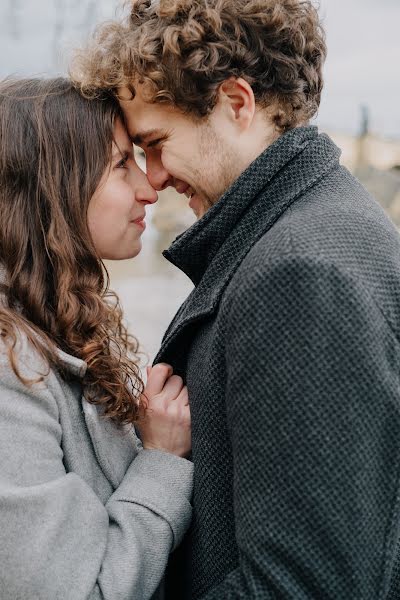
{"x":290,"y":347}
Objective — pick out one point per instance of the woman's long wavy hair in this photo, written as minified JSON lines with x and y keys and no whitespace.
{"x":55,"y":146}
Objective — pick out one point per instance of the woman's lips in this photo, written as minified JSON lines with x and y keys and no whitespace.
{"x":140,"y":222}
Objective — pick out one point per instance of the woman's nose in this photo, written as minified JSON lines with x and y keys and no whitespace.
{"x":142,"y":188}
{"x":146,"y":194}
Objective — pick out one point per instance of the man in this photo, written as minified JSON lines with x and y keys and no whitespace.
{"x":289,"y":342}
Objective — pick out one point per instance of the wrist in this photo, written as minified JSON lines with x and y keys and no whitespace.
{"x":179,"y":453}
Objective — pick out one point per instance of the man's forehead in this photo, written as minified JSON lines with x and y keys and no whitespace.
{"x":139,"y":123}
{"x":146,"y":121}
{"x":131,"y":102}
{"x":143,"y":125}
{"x":126,"y":93}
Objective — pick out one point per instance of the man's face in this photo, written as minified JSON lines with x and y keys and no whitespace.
{"x":196,"y":157}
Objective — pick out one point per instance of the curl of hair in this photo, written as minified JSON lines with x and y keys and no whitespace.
{"x":55,"y":148}
{"x":182,"y":50}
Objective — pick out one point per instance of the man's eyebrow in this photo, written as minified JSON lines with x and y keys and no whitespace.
{"x":143,"y":136}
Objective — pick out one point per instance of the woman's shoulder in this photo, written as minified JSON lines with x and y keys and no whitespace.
{"x":26,"y":372}
{"x":28,"y":393}
{"x":26,"y":350}
{"x":19,"y":353}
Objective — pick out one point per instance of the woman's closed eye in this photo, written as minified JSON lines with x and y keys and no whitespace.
{"x":121,"y":164}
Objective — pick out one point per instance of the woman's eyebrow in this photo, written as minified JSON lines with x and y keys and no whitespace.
{"x":121,"y":152}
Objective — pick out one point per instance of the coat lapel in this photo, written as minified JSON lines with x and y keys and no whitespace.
{"x":268,"y":205}
{"x":114,"y":447}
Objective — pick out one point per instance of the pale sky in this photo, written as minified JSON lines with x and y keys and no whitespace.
{"x":363,"y":65}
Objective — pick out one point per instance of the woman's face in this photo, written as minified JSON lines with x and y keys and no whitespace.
{"x":117,"y":209}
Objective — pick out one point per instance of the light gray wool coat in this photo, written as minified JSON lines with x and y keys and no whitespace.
{"x":85,"y":512}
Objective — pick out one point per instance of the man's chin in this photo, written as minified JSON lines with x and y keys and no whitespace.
{"x":198,"y":206}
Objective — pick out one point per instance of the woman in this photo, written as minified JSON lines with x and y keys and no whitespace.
{"x":85,"y":510}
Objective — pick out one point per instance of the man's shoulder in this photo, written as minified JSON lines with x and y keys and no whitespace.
{"x":336,"y":220}
{"x":338,"y":226}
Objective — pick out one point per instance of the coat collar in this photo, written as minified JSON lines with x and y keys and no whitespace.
{"x":114,"y":447}
{"x":194,"y":250}
{"x":213,"y":248}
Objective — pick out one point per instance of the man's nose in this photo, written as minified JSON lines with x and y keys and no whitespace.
{"x":157,"y":174}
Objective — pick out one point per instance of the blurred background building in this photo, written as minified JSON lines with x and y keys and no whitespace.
{"x":360,"y":110}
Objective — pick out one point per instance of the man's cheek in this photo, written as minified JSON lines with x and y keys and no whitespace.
{"x":169,"y":163}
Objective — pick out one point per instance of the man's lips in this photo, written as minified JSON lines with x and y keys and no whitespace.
{"x":192,"y":200}
{"x":182,"y":188}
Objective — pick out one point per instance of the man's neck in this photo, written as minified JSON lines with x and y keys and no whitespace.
{"x":262,"y":134}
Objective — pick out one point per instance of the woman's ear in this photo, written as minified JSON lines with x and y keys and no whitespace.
{"x":238,"y":99}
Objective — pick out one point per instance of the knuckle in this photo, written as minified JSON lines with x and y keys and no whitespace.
{"x":161,"y":368}
{"x":153,"y":400}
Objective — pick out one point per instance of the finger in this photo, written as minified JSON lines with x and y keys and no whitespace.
{"x":157,"y":378}
{"x":183,"y":397}
{"x":172,"y":388}
{"x":185,"y":415}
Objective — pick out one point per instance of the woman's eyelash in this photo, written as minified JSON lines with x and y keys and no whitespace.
{"x":122,"y":162}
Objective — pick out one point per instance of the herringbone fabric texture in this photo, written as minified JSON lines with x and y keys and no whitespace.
{"x":290,"y":348}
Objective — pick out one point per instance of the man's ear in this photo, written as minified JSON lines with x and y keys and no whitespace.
{"x":238,"y":97}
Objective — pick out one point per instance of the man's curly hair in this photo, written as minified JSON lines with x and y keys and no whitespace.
{"x":182,"y":50}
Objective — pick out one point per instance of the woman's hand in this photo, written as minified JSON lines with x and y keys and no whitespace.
{"x":166,"y":425}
